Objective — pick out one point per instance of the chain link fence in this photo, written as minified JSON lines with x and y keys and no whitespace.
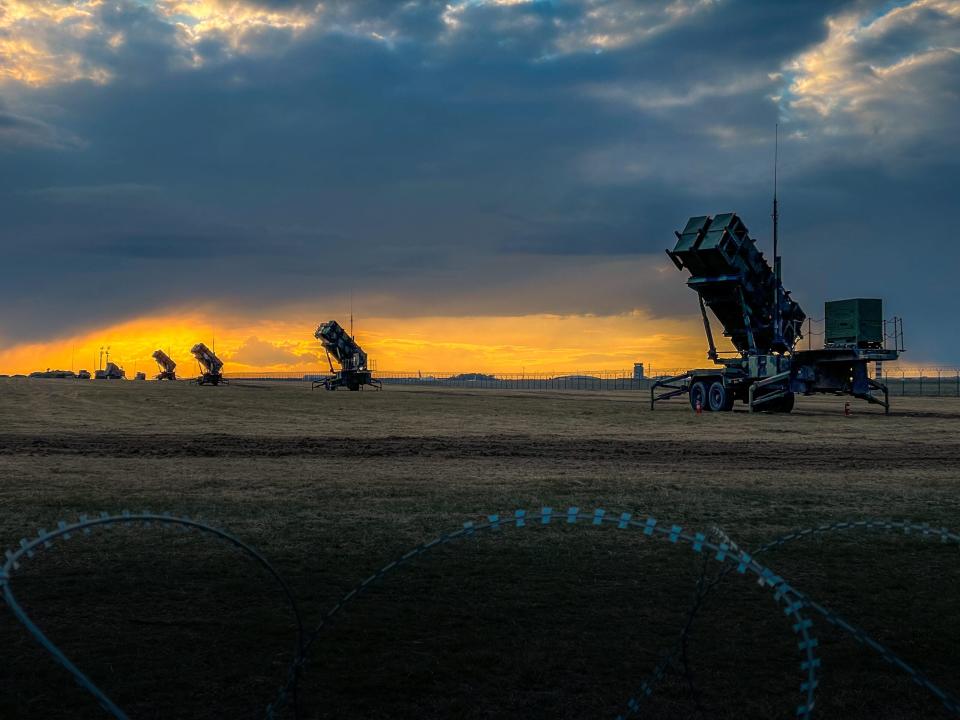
{"x":905,"y":382}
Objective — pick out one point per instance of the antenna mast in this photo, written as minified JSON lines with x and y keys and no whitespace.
{"x":777,"y":329}
{"x":776,"y":214}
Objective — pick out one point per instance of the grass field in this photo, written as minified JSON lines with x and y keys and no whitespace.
{"x":554,"y":622}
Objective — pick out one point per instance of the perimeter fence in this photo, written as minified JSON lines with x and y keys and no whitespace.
{"x":905,"y":382}
{"x":721,"y":557}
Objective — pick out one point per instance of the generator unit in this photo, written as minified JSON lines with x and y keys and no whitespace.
{"x":211,"y":367}
{"x":853,"y":323}
{"x":340,"y":346}
{"x":766,"y":371}
{"x":167,"y":366}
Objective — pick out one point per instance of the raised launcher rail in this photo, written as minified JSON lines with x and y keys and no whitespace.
{"x":338,"y":345}
{"x":732,"y":279}
{"x":210,"y":365}
{"x":167,"y":366}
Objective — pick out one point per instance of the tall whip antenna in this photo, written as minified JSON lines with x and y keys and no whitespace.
{"x":777,"y":324}
{"x":776,"y":214}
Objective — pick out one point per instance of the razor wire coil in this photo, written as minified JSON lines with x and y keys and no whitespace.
{"x":718,"y":548}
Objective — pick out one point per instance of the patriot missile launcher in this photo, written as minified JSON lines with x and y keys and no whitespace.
{"x":338,"y":345}
{"x":766,"y":371}
{"x":112,"y":371}
{"x":168,"y":368}
{"x":211,"y":366}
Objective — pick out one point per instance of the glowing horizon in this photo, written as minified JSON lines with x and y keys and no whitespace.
{"x":531,"y":343}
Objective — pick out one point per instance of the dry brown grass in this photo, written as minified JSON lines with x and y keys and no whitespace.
{"x":554,"y":623}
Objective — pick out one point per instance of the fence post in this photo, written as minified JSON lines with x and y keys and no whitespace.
{"x":921,"y":382}
{"x":938,"y":382}
{"x":903,"y":384}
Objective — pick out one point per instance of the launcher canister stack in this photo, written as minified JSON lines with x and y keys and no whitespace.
{"x":734,"y":280}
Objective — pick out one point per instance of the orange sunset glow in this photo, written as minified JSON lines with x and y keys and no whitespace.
{"x":532,"y":343}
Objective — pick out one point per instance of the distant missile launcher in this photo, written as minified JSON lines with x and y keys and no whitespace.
{"x":167,"y":366}
{"x":111,"y":372}
{"x":338,"y":345}
{"x":211,"y":366}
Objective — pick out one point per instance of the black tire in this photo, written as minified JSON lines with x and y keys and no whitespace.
{"x":719,"y":397}
{"x":698,"y":394}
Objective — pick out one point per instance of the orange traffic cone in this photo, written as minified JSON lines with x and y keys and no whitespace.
{"x":699,"y":408}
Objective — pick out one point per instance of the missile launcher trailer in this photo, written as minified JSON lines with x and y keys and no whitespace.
{"x":766,"y":371}
{"x":211,"y":366}
{"x":167,"y":366}
{"x":338,"y":345}
{"x":111,"y":372}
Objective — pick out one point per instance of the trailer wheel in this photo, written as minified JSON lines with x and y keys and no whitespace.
{"x":720,"y":398}
{"x":698,"y":394}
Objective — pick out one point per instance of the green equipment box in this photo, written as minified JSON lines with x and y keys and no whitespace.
{"x":857,"y":322}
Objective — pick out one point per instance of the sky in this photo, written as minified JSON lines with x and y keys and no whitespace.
{"x":489,"y":184}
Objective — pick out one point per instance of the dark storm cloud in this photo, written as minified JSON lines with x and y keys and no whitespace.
{"x":18,"y":131}
{"x":476,"y":158}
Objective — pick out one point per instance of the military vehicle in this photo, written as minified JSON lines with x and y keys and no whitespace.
{"x":766,"y":370}
{"x":211,"y":367}
{"x":340,"y":346}
{"x":112,"y":371}
{"x":167,"y":366}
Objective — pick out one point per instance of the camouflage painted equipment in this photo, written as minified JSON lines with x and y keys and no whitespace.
{"x":854,"y":323}
{"x":735,"y":281}
{"x":766,"y":371}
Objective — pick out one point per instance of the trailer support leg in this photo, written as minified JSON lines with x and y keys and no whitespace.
{"x":673,"y":390}
{"x":874,"y":385}
{"x":769,"y":396}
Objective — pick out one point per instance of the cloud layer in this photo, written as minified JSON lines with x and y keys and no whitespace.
{"x":473,"y":158}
